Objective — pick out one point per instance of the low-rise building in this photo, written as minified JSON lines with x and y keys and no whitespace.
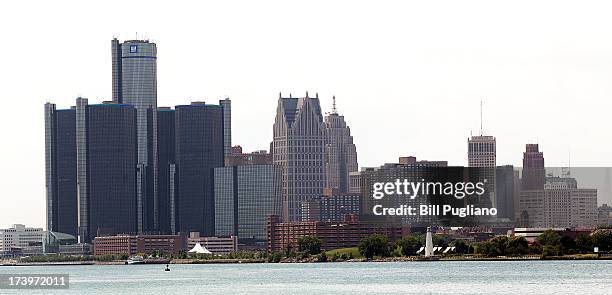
{"x":283,"y":235}
{"x":216,"y":245}
{"x":19,"y":239}
{"x":130,"y":245}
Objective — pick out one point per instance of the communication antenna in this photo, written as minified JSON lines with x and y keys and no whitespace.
{"x":334,"y":109}
{"x":481,"y":117}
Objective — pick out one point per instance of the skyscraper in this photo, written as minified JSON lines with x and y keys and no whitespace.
{"x":106,"y":168}
{"x":299,"y":149}
{"x":60,"y":164}
{"x":134,"y":81}
{"x":534,"y":174}
{"x":199,"y":149}
{"x":482,"y":153}
{"x":166,"y":153}
{"x":341,"y":153}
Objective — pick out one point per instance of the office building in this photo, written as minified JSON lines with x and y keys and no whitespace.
{"x":244,"y":197}
{"x":239,"y":158}
{"x":106,"y":168}
{"x":134,"y":82}
{"x":534,"y":173}
{"x":341,"y":153}
{"x":166,"y":161}
{"x":604,"y":215}
{"x":333,"y":206}
{"x":333,"y":235}
{"x":199,"y":149}
{"x":561,"y":203}
{"x":18,"y":239}
{"x":506,"y":192}
{"x":298,"y":148}
{"x":60,"y":168}
{"x":138,"y":244}
{"x":482,"y":154}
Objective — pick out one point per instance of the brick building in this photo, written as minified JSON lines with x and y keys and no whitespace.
{"x":130,"y":245}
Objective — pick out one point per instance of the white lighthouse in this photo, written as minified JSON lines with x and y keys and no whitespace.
{"x":428,"y":243}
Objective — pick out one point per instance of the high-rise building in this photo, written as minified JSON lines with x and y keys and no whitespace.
{"x":534,"y":173}
{"x":505,"y":191}
{"x":341,"y":153}
{"x":60,"y":164}
{"x":333,"y":205}
{"x":482,"y":153}
{"x":134,"y":81}
{"x":560,"y":203}
{"x":199,"y":149}
{"x":166,"y":161}
{"x":106,"y":168}
{"x":298,"y":148}
{"x":244,"y":197}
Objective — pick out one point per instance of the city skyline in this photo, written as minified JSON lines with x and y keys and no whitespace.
{"x":373,"y":102}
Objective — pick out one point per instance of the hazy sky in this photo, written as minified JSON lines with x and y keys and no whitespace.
{"x":408,"y":76}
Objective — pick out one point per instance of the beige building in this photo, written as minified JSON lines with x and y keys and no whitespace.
{"x":216,"y":245}
{"x":341,"y":153}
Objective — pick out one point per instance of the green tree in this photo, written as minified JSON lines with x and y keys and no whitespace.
{"x":584,"y":243}
{"x":549,"y":238}
{"x":408,"y":246}
{"x":461,"y":247}
{"x":374,"y":245}
{"x":309,"y":245}
{"x":517,"y":246}
{"x":602,"y":238}
{"x":568,"y":245}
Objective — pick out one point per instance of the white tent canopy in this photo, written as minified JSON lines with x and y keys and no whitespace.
{"x":198,"y":249}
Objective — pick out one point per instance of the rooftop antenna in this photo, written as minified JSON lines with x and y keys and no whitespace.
{"x":481,"y":117}
{"x":334,"y":109}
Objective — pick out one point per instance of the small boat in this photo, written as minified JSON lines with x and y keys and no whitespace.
{"x":167,"y":268}
{"x":136,"y":259}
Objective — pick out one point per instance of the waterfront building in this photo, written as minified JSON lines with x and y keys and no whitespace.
{"x":506,"y":191}
{"x":199,"y":149}
{"x":216,"y":245}
{"x":341,"y":153}
{"x":244,"y":197}
{"x":60,"y":169}
{"x":135,"y":244}
{"x":106,"y":168}
{"x":134,"y":82}
{"x":298,"y":148}
{"x":333,"y":235}
{"x":604,"y":215}
{"x":19,"y":240}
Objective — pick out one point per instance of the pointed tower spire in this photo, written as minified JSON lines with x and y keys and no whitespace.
{"x":280,"y":95}
{"x":334,"y":109}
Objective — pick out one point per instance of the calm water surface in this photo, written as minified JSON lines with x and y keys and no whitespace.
{"x":494,"y":277}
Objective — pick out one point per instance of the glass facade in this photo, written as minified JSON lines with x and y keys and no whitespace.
{"x":199,"y":149}
{"x":60,"y":145}
{"x":166,"y":158}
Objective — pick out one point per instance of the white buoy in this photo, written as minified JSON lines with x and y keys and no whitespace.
{"x":428,"y":243}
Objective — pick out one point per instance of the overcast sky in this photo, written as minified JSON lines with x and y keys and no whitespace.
{"x":408,"y":77}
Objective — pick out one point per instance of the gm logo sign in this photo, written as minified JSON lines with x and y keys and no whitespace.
{"x":133,"y":48}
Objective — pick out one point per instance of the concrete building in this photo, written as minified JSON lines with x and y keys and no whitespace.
{"x":560,"y":204}
{"x":341,"y":153}
{"x":334,"y":235}
{"x":604,"y":215}
{"x":332,"y":206}
{"x":298,"y":148}
{"x":134,"y":82}
{"x":355,"y":182}
{"x":482,"y":154}
{"x":506,"y":192}
{"x":238,"y":158}
{"x":534,"y":173}
{"x":135,"y":244}
{"x":106,"y":169}
{"x":60,"y":169}
{"x":216,"y":245}
{"x":199,"y":149}
{"x":244,"y":197}
{"x":17,"y":239}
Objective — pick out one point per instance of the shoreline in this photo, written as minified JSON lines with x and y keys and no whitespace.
{"x":359,"y":260}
